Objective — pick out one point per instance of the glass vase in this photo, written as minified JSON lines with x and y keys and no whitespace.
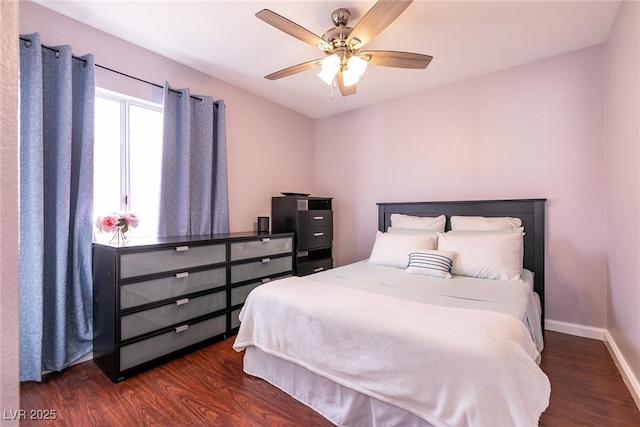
{"x":119,"y":237}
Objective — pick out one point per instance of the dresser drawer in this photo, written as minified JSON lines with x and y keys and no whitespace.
{"x":314,"y":266}
{"x":315,"y":218}
{"x":314,"y":237}
{"x":261,"y":268}
{"x":235,"y":320}
{"x":146,"y":350}
{"x":176,"y":258}
{"x":260,"y":248}
{"x":139,"y":293}
{"x":239,"y":294}
{"x":142,"y":322}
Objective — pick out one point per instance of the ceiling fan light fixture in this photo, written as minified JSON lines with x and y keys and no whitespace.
{"x":357,"y":65}
{"x":349,"y":77}
{"x":330,"y":67}
{"x":355,"y":68}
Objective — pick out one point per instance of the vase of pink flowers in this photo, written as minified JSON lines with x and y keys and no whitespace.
{"x":118,"y":223}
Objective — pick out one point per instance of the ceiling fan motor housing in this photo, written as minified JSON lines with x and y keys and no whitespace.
{"x":338,"y":35}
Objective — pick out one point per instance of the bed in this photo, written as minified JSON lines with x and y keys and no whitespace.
{"x":397,"y":340}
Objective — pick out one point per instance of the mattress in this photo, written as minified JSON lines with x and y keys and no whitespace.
{"x":348,"y":382}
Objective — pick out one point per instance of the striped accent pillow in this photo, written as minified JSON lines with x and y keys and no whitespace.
{"x":431,"y":263}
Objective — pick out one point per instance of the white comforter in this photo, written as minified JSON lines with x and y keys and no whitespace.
{"x":449,"y":366}
{"x":515,"y":298}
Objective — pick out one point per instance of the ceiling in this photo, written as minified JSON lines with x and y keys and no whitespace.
{"x":466,"y":38}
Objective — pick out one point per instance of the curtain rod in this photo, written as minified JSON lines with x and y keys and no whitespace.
{"x":115,"y":71}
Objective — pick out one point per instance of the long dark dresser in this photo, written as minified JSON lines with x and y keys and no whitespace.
{"x":156,"y":299}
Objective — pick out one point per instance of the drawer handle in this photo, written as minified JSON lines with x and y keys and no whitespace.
{"x":266,"y":280}
{"x":182,"y":328}
{"x":317,"y":269}
{"x":318,"y":234}
{"x":266,"y":260}
{"x":266,"y":239}
{"x":182,"y":301}
{"x":182,"y":248}
{"x":318,"y":217}
{"x":182,"y":275}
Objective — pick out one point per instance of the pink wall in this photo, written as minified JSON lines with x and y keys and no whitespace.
{"x":623,"y":183}
{"x":264,"y":157}
{"x":533,"y":131}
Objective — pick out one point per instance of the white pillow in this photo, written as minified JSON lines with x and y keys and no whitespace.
{"x":488,"y":255}
{"x":431,"y":263}
{"x":392,"y":250}
{"x":396,"y":230}
{"x":418,"y":222}
{"x":484,"y":223}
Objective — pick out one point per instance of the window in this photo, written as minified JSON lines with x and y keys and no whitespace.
{"x":128,"y":158}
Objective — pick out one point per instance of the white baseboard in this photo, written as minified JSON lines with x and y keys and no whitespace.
{"x":575,"y":329}
{"x":627,"y":374}
{"x":603,"y":335}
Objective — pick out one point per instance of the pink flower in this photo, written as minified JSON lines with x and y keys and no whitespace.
{"x":130,"y":219}
{"x":112,"y":221}
{"x":108,"y":222}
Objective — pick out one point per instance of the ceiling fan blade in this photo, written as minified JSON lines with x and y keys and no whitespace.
{"x":390,"y":58}
{"x":345,"y":90}
{"x":293,"y":29}
{"x":375,"y":20}
{"x":293,"y":69}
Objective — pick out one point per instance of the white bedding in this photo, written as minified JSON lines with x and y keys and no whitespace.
{"x":515,"y":298}
{"x":450,"y":365}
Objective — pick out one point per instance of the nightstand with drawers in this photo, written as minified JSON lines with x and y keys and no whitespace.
{"x":311,"y":219}
{"x":157,"y":299}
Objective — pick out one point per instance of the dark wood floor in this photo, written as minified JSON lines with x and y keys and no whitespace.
{"x":208,"y":388}
{"x":586,"y":387}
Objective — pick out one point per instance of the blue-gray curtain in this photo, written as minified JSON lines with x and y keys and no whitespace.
{"x":56,"y":196}
{"x":194,"y":191}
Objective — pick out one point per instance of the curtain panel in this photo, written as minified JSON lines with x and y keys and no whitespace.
{"x":56,"y":196}
{"x":194,"y":189}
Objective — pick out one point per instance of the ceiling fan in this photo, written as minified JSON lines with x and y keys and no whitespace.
{"x":345,"y":62}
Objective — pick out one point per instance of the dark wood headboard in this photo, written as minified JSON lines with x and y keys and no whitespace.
{"x":531,"y":211}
